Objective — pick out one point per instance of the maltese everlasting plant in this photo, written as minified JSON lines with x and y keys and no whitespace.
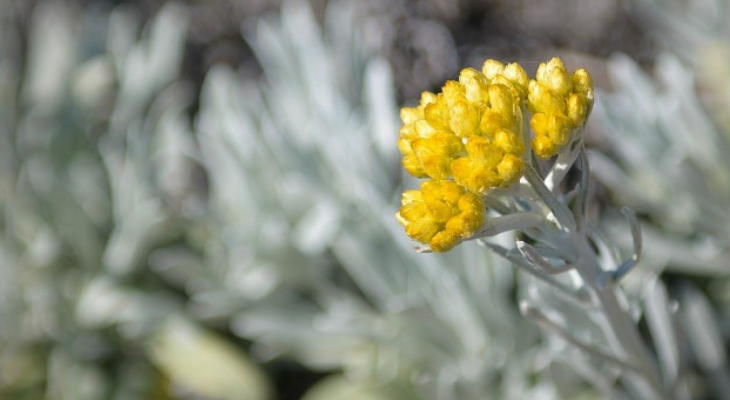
{"x":494,"y":149}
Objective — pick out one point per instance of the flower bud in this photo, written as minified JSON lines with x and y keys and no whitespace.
{"x":440,"y":214}
{"x":475,"y":86}
{"x":518,"y":76}
{"x":501,"y":100}
{"x":577,"y":109}
{"x":492,"y":121}
{"x":543,"y":146}
{"x":436,"y":153}
{"x":437,"y":115}
{"x":464,"y":118}
{"x":413,"y":166}
{"x":409,"y":115}
{"x":492,"y":68}
{"x":582,"y":81}
{"x":542,"y":100}
{"x":452,"y":92}
{"x":508,"y":142}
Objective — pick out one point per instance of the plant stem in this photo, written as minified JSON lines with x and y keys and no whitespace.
{"x":624,"y":330}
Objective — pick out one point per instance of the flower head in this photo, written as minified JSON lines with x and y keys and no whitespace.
{"x":473,"y":126}
{"x":440,"y":214}
{"x":560,"y":103}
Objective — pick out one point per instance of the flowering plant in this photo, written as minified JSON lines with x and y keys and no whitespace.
{"x":469,"y":143}
{"x":469,"y":140}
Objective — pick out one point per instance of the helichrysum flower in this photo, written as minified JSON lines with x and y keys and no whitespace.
{"x":471,"y":131}
{"x":470,"y":137}
{"x":441,"y":214}
{"x":560,"y":103}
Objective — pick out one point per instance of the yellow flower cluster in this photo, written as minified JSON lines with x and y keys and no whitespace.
{"x":471,"y":131}
{"x":441,"y":214}
{"x":468,"y":139}
{"x":560,"y":103}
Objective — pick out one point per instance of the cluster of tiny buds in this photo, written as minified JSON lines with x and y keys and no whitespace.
{"x":470,"y":138}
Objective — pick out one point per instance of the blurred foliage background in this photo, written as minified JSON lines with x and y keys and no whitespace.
{"x":197,"y":196}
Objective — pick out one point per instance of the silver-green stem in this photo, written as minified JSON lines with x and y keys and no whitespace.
{"x":624,"y":329}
